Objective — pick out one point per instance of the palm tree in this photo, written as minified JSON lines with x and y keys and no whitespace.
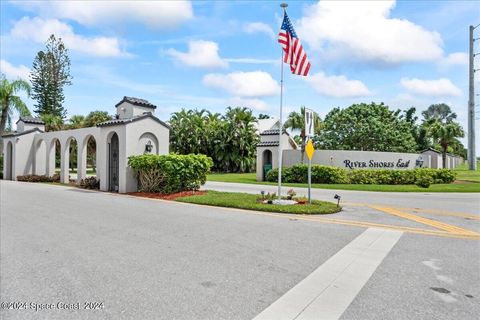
{"x":441,"y":112}
{"x":52,"y":122}
{"x":10,"y":102}
{"x":296,"y":121}
{"x":76,"y":122}
{"x":445,"y":135}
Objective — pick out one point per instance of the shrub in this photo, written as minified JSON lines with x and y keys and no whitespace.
{"x":299,"y":174}
{"x":1,"y":166}
{"x":56,"y":178}
{"x":90,"y":183}
{"x":34,"y":178}
{"x":328,"y":174}
{"x":170,"y":173}
{"x":424,"y":181}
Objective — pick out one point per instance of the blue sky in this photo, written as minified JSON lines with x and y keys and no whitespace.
{"x":217,"y":54}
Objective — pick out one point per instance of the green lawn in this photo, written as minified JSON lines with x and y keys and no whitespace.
{"x":467,"y":181}
{"x":249,"y":202}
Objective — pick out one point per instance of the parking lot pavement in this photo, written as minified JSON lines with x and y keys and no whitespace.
{"x":150,"y":259}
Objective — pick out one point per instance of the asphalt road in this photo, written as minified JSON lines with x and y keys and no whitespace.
{"x":149,"y":259}
{"x":463,"y":202}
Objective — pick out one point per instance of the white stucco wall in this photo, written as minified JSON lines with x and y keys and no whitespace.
{"x":137,"y":135}
{"x":355,"y":159}
{"x":128,"y":110}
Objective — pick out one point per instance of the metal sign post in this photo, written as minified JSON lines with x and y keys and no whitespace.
{"x":309,"y":150}
{"x":309,"y":127}
{"x":309,"y":132}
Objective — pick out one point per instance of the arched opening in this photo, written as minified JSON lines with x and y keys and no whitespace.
{"x":54,"y":158}
{"x":91,"y":157}
{"x":40,"y":164}
{"x":8,"y":170}
{"x":113,"y":162}
{"x":71,"y":156}
{"x":147,"y":143}
{"x":267,"y":162}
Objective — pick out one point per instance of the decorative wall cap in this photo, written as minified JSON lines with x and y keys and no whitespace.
{"x":137,"y":102}
{"x":273,"y":132}
{"x":431,"y":149}
{"x":115,"y":122}
{"x":31,"y":120}
{"x":268,"y":144}
{"x":16,"y":134}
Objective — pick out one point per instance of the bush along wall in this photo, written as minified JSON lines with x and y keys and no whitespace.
{"x":170,"y":173}
{"x":333,"y":175}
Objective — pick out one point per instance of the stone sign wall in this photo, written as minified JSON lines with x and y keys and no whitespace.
{"x":356,"y":159}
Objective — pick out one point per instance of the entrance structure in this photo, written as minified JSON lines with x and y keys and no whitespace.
{"x":134,"y":130}
{"x":267,"y":156}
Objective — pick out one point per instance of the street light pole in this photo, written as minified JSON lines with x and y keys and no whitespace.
{"x":472,"y":160}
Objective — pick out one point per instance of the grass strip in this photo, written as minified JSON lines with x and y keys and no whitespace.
{"x":249,"y":202}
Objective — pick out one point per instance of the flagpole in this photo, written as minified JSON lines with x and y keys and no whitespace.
{"x":284,"y":6}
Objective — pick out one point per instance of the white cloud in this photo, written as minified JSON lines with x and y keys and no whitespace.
{"x":243,"y":84}
{"x":252,"y":60}
{"x":434,"y":88}
{"x":365,"y":30}
{"x":337,"y":86}
{"x":256,"y":104}
{"x":203,"y":54}
{"x":14,"y":72}
{"x":39,"y":30}
{"x":155,"y":14}
{"x":260,"y":27}
{"x":456,"y":58}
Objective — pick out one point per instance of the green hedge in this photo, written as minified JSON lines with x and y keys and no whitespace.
{"x":333,"y":175}
{"x":170,"y":173}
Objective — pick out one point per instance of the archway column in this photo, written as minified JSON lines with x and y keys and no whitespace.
{"x":64,"y":165}
{"x":81,"y":161}
{"x":50,"y":158}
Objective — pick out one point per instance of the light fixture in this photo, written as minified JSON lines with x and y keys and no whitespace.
{"x":337,"y":197}
{"x":419,"y":162}
{"x":148,"y":147}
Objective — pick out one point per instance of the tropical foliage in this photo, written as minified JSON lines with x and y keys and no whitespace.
{"x":10,"y":102}
{"x":170,"y":173}
{"x":366,"y":127}
{"x":334,"y":175}
{"x":230,"y":139}
{"x":445,"y":134}
{"x":296,"y":121}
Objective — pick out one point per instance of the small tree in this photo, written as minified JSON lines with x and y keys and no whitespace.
{"x":76,"y":122}
{"x":50,"y":73}
{"x":9,"y":102}
{"x":296,"y":121}
{"x":445,"y":134}
{"x":52,"y":122}
{"x":96,"y":117}
{"x":440,"y":111}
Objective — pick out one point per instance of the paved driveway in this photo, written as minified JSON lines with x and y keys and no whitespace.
{"x":149,"y":259}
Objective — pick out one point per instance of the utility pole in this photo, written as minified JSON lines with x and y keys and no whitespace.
{"x":472,"y":159}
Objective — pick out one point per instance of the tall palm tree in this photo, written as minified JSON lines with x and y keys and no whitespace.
{"x":296,"y":121}
{"x":445,"y":134}
{"x":9,"y":102}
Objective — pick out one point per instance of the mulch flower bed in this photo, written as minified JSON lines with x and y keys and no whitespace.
{"x":172,"y":196}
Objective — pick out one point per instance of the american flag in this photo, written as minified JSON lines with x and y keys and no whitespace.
{"x":293,"y":49}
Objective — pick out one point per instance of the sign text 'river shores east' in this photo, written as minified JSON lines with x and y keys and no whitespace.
{"x":376,"y":164}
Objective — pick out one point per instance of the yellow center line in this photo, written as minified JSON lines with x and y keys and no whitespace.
{"x":428,"y":211}
{"x":429,"y":222}
{"x":321,"y":219}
